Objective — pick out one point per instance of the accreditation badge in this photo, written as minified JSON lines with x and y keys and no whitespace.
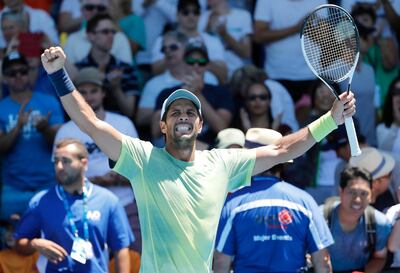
{"x":78,"y":252}
{"x":88,"y":250}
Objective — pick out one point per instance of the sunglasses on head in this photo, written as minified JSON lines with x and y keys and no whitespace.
{"x":14,"y":72}
{"x":261,"y":97}
{"x":186,"y":12}
{"x":199,"y":61}
{"x":106,"y":31}
{"x":92,"y":7}
{"x":172,"y":47}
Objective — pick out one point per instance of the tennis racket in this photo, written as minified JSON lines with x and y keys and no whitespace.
{"x":331,"y":48}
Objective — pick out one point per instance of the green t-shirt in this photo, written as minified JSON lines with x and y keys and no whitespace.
{"x":180,"y":202}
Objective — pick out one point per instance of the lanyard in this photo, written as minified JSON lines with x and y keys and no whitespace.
{"x":70,"y":217}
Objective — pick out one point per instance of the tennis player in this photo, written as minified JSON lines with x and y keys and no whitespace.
{"x":180,"y":191}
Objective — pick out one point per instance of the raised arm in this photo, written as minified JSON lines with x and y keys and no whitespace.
{"x":105,"y":136}
{"x":296,"y":144}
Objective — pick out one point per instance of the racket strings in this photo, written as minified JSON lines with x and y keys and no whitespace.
{"x":330,"y":43}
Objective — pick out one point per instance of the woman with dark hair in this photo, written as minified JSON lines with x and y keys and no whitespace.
{"x":388,"y":132}
{"x":256,"y":111}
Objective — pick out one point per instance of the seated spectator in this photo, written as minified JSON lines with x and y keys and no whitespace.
{"x":276,"y":26}
{"x":256,"y":112}
{"x":216,"y":101}
{"x":364,"y":83}
{"x":71,"y":225}
{"x":271,"y":225}
{"x":121,"y":78}
{"x":188,"y":16}
{"x":233,"y":27}
{"x":355,"y":249}
{"x":38,"y":20}
{"x":17,"y":37}
{"x":173,"y":45}
{"x":281,"y":102}
{"x":132,"y":25}
{"x":393,"y":214}
{"x":70,"y":17}
{"x":89,"y":82}
{"x":10,"y":260}
{"x":157,"y":16}
{"x":380,"y":164}
{"x":28,"y":123}
{"x":388,"y":132}
{"x":78,"y":44}
{"x":230,"y":138}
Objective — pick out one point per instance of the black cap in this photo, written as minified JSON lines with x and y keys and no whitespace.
{"x":11,"y":58}
{"x":196,"y":45}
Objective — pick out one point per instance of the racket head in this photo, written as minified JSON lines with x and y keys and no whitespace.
{"x":330,"y":43}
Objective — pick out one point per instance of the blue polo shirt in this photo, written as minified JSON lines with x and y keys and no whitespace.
{"x":270,"y":226}
{"x":108,"y":226}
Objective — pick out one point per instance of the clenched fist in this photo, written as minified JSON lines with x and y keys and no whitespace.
{"x":53,"y":59}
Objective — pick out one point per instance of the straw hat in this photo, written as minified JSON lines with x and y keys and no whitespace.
{"x":377,"y":162}
{"x":228,"y":137}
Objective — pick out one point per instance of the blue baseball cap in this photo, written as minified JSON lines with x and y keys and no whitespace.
{"x":180,"y":94}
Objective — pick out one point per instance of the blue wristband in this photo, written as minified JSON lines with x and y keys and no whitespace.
{"x":61,"y":82}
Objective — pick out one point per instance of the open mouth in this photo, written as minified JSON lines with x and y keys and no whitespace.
{"x":183,"y":128}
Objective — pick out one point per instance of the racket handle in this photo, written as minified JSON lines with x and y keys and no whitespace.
{"x":352,"y":136}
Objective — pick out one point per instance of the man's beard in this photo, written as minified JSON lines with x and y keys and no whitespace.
{"x":68,"y":179}
{"x":184,"y":142}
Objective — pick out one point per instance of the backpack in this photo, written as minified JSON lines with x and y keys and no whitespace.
{"x":369,"y":219}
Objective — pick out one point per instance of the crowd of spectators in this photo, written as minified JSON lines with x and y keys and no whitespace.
{"x":243,"y":60}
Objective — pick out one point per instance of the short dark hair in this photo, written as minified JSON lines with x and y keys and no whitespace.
{"x":95,"y":20}
{"x":183,"y":4}
{"x":351,"y":172}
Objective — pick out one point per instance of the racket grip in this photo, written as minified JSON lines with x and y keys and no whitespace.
{"x":352,"y":136}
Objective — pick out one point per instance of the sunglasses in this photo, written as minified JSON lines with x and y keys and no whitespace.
{"x":172,"y":47}
{"x":92,"y":7}
{"x":261,"y":97}
{"x":193,"y":61}
{"x":106,"y":31}
{"x":187,"y":12}
{"x":14,"y":72}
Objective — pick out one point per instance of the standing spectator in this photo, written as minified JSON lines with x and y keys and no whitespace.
{"x":233,"y":26}
{"x":388,"y":132}
{"x":393,"y":214}
{"x":188,"y":17}
{"x":121,"y":78}
{"x":277,"y":24}
{"x":216,"y":100}
{"x":28,"y":123}
{"x":354,"y":249}
{"x":71,"y":225}
{"x":380,"y":164}
{"x":39,"y":20}
{"x":175,"y":186}
{"x":78,"y":44}
{"x":271,"y":225}
{"x":89,"y":82}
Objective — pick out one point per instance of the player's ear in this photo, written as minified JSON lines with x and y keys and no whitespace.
{"x":200,"y":126}
{"x":163,"y":127}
